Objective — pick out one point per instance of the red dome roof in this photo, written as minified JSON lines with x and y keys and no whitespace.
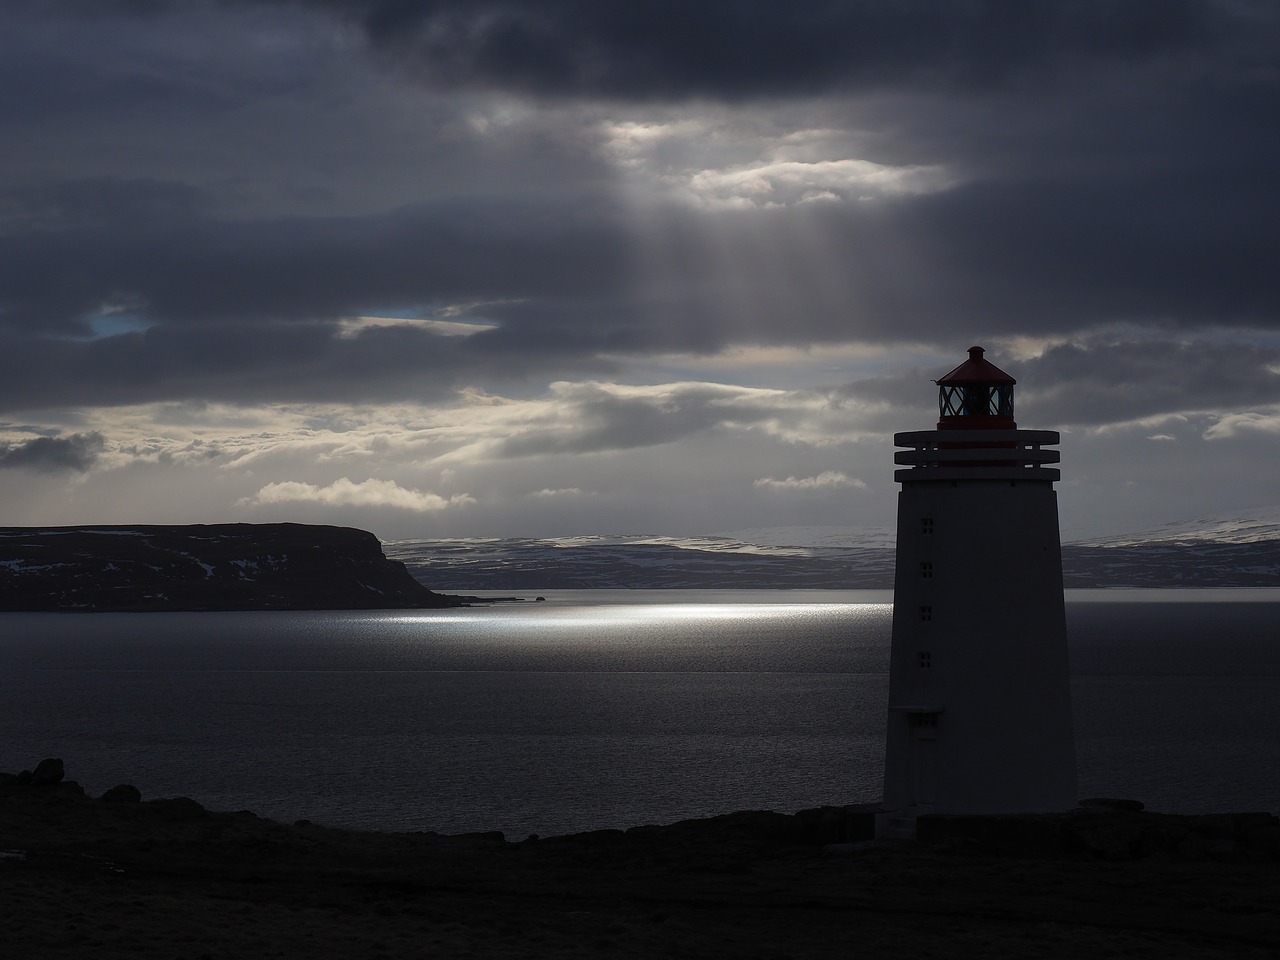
{"x":975,"y":370}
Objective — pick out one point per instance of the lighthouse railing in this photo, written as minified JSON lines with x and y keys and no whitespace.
{"x":977,"y":454}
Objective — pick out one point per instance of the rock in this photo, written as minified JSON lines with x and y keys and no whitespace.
{"x":1191,"y":847}
{"x":122,"y":793}
{"x":1246,"y":823}
{"x":47,"y":772}
{"x":1222,"y":848}
{"x":820,"y":826}
{"x":1016,"y":836}
{"x":1108,"y":837}
{"x":1161,"y":836}
{"x":1219,"y":826}
{"x":497,"y":836}
{"x":1111,"y":803}
{"x":1265,"y":839}
{"x":178,"y":808}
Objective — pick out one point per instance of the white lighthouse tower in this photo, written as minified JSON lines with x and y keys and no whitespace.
{"x":979,"y":695}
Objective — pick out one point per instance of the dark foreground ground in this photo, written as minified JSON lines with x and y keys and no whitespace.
{"x":88,"y":878}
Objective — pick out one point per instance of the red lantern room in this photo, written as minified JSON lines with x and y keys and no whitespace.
{"x":977,"y":395}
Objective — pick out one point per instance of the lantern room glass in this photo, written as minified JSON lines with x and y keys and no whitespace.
{"x":976,"y":400}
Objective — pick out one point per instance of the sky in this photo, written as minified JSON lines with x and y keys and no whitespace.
{"x":477,"y":268}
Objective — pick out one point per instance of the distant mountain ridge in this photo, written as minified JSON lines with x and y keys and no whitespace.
{"x":637,"y":562}
{"x":1259,"y":525}
{"x":1210,"y":552}
{"x":1215,"y":551}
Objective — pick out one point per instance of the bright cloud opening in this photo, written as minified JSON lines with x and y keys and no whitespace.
{"x":351,"y":327}
{"x":828,"y":479}
{"x":557,"y":492}
{"x":367,"y":493}
{"x":792,"y":182}
{"x":1235,"y":424}
{"x":728,"y":161}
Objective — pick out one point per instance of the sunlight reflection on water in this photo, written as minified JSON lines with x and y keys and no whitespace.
{"x":647,"y":616}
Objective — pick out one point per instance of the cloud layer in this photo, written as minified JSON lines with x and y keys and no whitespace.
{"x":728,"y":49}
{"x":76,"y":452}
{"x":603,"y":241}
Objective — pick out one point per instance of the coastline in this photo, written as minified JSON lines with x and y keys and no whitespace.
{"x":88,"y":877}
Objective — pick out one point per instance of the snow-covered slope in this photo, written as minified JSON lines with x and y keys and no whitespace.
{"x":708,"y":562}
{"x":1258,"y":525}
{"x":1211,"y":551}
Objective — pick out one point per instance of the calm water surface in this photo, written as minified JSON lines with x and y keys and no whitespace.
{"x":604,"y":708}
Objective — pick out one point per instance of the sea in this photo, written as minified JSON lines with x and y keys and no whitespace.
{"x":604,"y":709}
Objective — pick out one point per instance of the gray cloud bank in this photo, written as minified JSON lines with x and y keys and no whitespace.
{"x":729,"y":48}
{"x":199,"y":200}
{"x":53,"y":454}
{"x":1113,"y":163}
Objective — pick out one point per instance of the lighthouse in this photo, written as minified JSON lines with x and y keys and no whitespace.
{"x":979,"y":693}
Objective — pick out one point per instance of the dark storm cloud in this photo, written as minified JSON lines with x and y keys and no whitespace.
{"x":737,"y":48}
{"x":139,"y":245}
{"x":76,"y":452}
{"x":101,"y":7}
{"x":246,"y":309}
{"x":1050,"y":254}
{"x":1100,"y":382}
{"x":907,"y":390}
{"x":102,"y":202}
{"x":604,"y":421}
{"x":269,"y":362}
{"x":1112,"y":163}
{"x":77,"y":62}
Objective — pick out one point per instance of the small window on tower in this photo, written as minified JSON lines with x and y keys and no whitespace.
{"x":926,"y":613}
{"x":926,"y":570}
{"x":926,"y":659}
{"x":926,"y":525}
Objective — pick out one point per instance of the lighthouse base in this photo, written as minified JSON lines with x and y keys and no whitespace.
{"x":979,"y":718}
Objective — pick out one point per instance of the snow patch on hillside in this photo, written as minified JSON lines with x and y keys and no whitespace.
{"x":1258,"y":525}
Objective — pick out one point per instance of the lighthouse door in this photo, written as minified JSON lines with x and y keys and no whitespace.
{"x":924,"y":759}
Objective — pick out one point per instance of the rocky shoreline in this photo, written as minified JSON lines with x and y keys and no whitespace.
{"x":124,"y":876}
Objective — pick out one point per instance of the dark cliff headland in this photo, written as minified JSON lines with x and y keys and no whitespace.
{"x":123,"y":876}
{"x":199,"y":567}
